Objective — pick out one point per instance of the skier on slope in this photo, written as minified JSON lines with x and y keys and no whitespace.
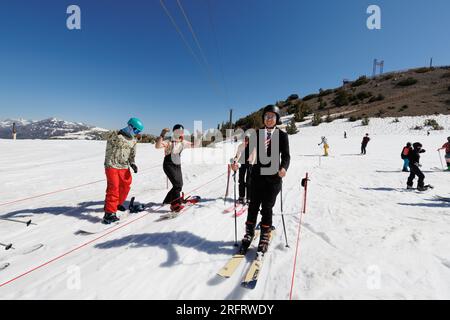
{"x":325,"y":146}
{"x":364,"y":143}
{"x":269,"y":147}
{"x":245,"y":169}
{"x":404,"y":155}
{"x":172,"y":164}
{"x":446,"y":147}
{"x":119,"y":157}
{"x":414,"y":166}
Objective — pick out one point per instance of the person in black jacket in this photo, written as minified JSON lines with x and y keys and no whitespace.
{"x":269,"y":151}
{"x":414,"y":166}
{"x":245,"y":169}
{"x":364,"y":143}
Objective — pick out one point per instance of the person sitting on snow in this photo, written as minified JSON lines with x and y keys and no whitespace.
{"x":119,"y":157}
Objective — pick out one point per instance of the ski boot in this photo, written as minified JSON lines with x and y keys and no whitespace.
{"x":248,"y":237}
{"x":408,"y":187}
{"x":109,"y":218}
{"x":120,"y":207}
{"x":176,"y":207}
{"x":241,"y":200}
{"x":264,"y":239}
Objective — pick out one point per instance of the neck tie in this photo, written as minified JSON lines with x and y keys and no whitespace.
{"x":268,"y":138}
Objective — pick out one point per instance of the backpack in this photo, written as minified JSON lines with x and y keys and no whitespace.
{"x":405,"y":153}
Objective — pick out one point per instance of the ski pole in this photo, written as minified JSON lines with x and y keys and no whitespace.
{"x":7,"y":246}
{"x":282,"y":215}
{"x":28,"y":223}
{"x":235,"y":213}
{"x":440,"y":159}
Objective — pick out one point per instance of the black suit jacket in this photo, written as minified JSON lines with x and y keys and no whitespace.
{"x":268,"y":165}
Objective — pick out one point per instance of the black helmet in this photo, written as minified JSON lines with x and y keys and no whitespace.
{"x":408,"y":144}
{"x":274,"y":109}
{"x":417,"y":145}
{"x":177,"y":126}
{"x":448,"y":139}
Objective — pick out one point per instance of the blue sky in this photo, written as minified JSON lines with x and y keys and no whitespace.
{"x":129,"y":60}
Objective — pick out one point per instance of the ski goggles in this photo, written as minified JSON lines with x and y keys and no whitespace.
{"x":135,"y":130}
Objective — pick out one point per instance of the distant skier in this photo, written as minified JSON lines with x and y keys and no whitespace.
{"x":414,"y":166}
{"x":364,"y":143}
{"x":325,"y":146}
{"x":404,"y":155}
{"x":267,"y":174}
{"x":172,"y":164}
{"x":245,"y":169}
{"x":345,"y":134}
{"x":446,"y":147}
{"x":14,"y":131}
{"x":119,"y":157}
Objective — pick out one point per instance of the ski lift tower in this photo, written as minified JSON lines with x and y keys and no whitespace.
{"x":376,"y":64}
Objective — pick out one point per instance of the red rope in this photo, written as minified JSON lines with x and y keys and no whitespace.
{"x":61,"y":190}
{"x":93,"y":240}
{"x":298,"y":238}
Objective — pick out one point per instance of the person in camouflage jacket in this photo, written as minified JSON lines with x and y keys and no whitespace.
{"x":119,"y":157}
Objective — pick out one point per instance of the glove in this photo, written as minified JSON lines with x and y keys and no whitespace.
{"x":134,"y":167}
{"x":164,"y":132}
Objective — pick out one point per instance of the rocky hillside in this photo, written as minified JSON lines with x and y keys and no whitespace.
{"x":422,"y":91}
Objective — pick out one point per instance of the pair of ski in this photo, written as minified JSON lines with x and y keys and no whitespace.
{"x":251,"y":276}
{"x":188,"y":203}
{"x":426,"y":188}
{"x":440,"y":169}
{"x":444,"y":199}
{"x":240,"y":209}
{"x":28,"y":250}
{"x":133,"y":208}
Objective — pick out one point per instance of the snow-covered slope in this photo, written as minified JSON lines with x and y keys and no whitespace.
{"x":363,"y":235}
{"x":51,"y":128}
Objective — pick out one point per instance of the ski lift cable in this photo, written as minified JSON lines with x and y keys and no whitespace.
{"x":202,"y":53}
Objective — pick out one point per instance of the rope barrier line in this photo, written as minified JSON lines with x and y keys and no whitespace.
{"x":61,"y":190}
{"x":297,"y":250}
{"x":95,"y":239}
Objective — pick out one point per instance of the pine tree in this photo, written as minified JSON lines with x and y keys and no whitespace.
{"x":291,"y":128}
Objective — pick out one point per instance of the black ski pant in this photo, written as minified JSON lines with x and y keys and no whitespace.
{"x":363,"y":148}
{"x":264,"y":192}
{"x":245,"y":181}
{"x":173,"y":172}
{"x":415,"y":171}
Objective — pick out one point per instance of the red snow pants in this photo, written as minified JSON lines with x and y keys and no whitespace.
{"x":119,"y":183}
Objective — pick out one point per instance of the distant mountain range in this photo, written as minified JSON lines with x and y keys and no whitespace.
{"x":50,"y":129}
